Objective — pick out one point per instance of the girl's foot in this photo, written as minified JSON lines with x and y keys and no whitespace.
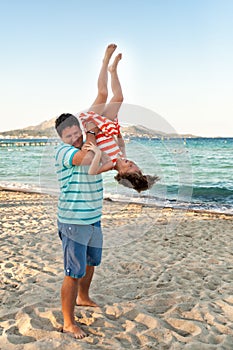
{"x":108,"y":53}
{"x":113,"y":67}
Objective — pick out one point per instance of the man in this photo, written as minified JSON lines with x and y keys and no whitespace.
{"x":79,"y":214}
{"x":79,"y":207}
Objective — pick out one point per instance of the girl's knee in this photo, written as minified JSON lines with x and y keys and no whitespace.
{"x":118,"y":98}
{"x":121,"y":98}
{"x":103,"y":95}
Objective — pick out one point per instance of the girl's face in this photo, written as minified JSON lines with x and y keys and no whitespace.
{"x":127,"y":166}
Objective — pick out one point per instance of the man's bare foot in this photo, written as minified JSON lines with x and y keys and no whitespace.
{"x":74,"y":331}
{"x":113,"y":67}
{"x":86,"y":302}
{"x":108,"y":53}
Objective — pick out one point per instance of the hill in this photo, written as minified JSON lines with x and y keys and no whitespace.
{"x":46,"y":129}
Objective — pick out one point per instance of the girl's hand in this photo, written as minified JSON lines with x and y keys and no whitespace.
{"x":91,"y":147}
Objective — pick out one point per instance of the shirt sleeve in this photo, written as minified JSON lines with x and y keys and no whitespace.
{"x":65,"y":155}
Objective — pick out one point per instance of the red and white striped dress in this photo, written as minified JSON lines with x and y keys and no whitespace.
{"x":105,"y":139}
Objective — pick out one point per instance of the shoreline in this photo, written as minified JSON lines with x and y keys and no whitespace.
{"x":165,"y":280}
{"x":109,"y":199}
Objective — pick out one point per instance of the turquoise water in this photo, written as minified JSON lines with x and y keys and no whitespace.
{"x":195,"y":173}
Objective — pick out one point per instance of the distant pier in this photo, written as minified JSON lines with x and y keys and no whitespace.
{"x":28,"y":142}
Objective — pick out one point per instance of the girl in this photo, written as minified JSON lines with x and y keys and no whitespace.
{"x":110,"y":150}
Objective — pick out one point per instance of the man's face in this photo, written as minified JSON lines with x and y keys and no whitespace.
{"x":73,"y":136}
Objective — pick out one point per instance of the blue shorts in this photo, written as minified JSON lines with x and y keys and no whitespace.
{"x":82,"y":246}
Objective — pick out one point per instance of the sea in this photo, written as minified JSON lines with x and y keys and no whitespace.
{"x":195,"y":173}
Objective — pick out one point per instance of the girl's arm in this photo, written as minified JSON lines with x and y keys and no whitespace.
{"x":95,"y":167}
{"x":121,"y":144}
{"x":95,"y":164}
{"x":105,"y":167}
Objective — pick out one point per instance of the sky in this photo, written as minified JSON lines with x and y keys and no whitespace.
{"x":177,"y":59}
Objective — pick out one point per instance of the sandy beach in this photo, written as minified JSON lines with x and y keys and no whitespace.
{"x":165,"y":282}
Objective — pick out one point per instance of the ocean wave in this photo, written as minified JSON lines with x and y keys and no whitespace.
{"x":204,"y":192}
{"x":217,"y":199}
{"x":213,"y":193}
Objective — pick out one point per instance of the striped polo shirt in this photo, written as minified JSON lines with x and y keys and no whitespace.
{"x":81,"y":194}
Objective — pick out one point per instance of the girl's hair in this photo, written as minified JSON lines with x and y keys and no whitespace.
{"x":137,"y":181}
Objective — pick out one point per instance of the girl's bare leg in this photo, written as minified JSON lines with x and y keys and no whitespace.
{"x":100,"y":101}
{"x":111,"y":110}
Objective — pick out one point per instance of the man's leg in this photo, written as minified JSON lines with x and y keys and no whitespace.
{"x":94,"y":255}
{"x":99,"y":103}
{"x":84,"y":283}
{"x":68,"y":297}
{"x":112,"y":109}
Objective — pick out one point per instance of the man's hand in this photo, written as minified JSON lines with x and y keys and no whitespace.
{"x":91,"y":126}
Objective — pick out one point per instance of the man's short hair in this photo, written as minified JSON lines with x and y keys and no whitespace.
{"x":64,"y":121}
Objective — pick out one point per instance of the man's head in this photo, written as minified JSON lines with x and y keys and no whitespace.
{"x":68,"y":128}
